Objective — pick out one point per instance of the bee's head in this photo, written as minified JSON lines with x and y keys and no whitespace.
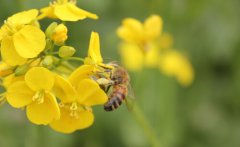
{"x":120,"y":75}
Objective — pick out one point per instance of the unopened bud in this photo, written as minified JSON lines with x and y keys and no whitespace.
{"x":47,"y":61}
{"x":66,"y":51}
{"x":59,"y":35}
{"x":21,"y":70}
{"x":50,"y":29}
{"x":5,"y":69}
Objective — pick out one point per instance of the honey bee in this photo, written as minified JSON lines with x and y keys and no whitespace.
{"x":117,"y":87}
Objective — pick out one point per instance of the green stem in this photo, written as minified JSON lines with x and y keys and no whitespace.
{"x":75,"y":58}
{"x":52,"y":53}
{"x":142,"y":120}
{"x":69,"y":66}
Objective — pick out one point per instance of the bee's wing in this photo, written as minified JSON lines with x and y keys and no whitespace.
{"x":130,"y":99}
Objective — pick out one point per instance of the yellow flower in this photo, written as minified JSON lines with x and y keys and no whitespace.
{"x":35,"y":93}
{"x":77,"y":95}
{"x":21,"y":38}
{"x":139,"y":47}
{"x":174,"y":64}
{"x":133,"y":31}
{"x":65,"y":10}
{"x":59,"y":35}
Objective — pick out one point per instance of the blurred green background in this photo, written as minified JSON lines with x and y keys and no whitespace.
{"x":205,"y":114}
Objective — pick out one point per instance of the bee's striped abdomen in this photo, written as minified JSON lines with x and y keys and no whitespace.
{"x":116,"y":98}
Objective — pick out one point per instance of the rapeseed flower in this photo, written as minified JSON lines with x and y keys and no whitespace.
{"x":139,"y":47}
{"x":59,"y":34}
{"x":21,"y":38}
{"x":65,"y":10}
{"x":77,"y":94}
{"x":34,"y":93}
{"x":145,"y":45}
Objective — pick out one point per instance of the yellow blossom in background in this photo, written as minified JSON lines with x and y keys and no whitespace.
{"x":65,"y":10}
{"x":34,"y":92}
{"x":133,"y":31}
{"x":77,"y":95}
{"x":176,"y":65}
{"x":139,"y":47}
{"x":144,"y":45}
{"x":21,"y":38}
{"x":59,"y":34}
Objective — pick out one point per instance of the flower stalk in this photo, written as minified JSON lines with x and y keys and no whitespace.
{"x":146,"y":127}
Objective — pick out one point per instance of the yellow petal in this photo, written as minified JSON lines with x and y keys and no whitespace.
{"x":94,"y":50}
{"x":29,"y":41}
{"x":24,"y":17}
{"x":69,"y":124}
{"x":132,"y":56}
{"x":89,"y":93}
{"x":9,"y":54}
{"x":45,"y":112}
{"x":7,"y":81}
{"x":70,"y":12}
{"x":166,"y":41}
{"x":175,"y":64}
{"x":47,"y":12}
{"x":81,"y":73}
{"x":3,"y":31}
{"x":131,"y":31}
{"x":153,"y":27}
{"x":152,"y":56}
{"x":64,"y":90}
{"x":39,"y":78}
{"x":19,"y":94}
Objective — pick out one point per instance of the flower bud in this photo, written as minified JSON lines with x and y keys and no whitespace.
{"x":59,"y":35}
{"x":21,"y":70}
{"x":66,"y":51}
{"x":50,"y":29}
{"x":47,"y":61}
{"x":5,"y":69}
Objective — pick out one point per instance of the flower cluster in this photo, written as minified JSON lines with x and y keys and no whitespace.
{"x":37,"y":75}
{"x":145,"y":44}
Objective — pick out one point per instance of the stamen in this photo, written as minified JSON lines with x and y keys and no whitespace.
{"x":61,"y":105}
{"x":74,"y":110}
{"x":39,"y":97}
